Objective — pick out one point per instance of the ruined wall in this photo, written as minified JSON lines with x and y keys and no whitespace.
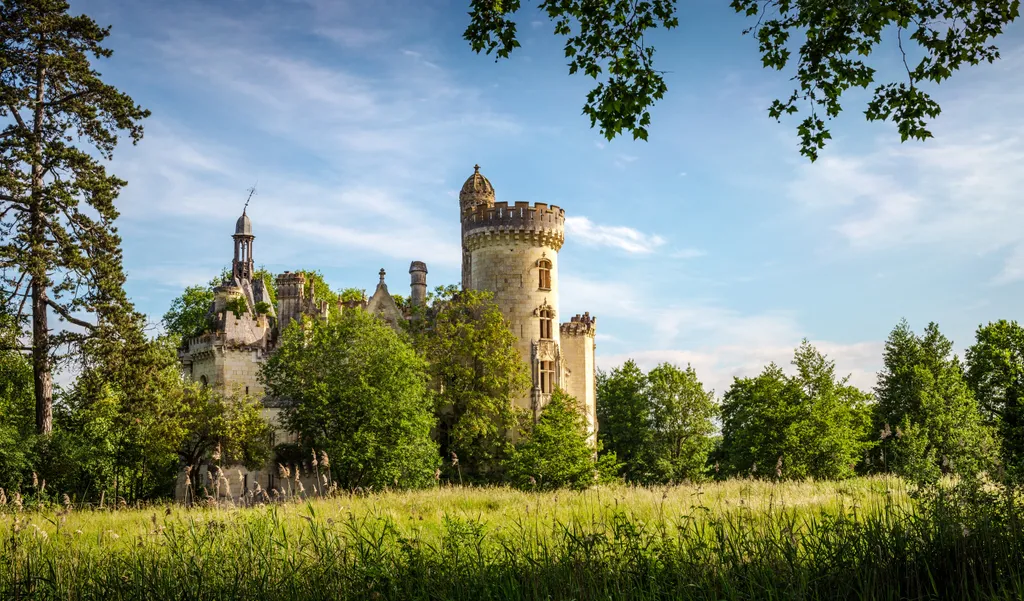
{"x":580,"y":380}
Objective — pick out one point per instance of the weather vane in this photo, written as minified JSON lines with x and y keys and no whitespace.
{"x":252,"y":192}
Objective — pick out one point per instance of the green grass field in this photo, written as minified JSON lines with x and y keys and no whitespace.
{"x":859,"y":539}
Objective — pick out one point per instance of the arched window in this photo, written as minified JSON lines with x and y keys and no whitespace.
{"x":544,"y":269}
{"x":204,"y":381}
{"x":546,"y":323}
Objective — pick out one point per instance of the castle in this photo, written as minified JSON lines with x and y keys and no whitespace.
{"x":511,"y":251}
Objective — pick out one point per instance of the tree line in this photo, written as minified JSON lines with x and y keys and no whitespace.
{"x":930,"y":414}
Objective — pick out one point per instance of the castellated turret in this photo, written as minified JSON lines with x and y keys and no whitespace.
{"x":512,"y":251}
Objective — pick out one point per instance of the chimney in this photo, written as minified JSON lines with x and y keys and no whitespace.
{"x":418,"y":283}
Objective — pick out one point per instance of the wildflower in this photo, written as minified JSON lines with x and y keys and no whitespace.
{"x":533,"y":482}
{"x":67,"y":501}
{"x":437,"y":474}
{"x":216,"y":453}
{"x":899,"y":433}
{"x":35,"y":480}
{"x":778,"y":467}
{"x":324,"y":460}
{"x":315,"y":462}
{"x":885,"y":432}
{"x":455,"y":459}
{"x":3,"y":498}
{"x":17,"y":501}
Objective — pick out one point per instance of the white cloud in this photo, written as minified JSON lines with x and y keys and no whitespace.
{"x":688,"y":253}
{"x":716,"y":366}
{"x":624,"y":238}
{"x":959,"y":192}
{"x":720,"y":342}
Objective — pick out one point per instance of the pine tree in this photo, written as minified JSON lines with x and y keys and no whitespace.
{"x":59,"y":249}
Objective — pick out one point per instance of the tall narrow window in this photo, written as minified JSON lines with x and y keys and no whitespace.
{"x":547,"y":376}
{"x":546,"y":324}
{"x":544,"y":269}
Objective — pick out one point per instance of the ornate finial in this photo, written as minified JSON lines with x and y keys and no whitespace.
{"x":476,"y":168}
{"x":382,"y":275}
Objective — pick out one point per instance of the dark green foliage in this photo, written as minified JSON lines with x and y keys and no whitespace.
{"x":995,"y":373}
{"x":554,"y":452}
{"x":231,"y":428}
{"x":658,"y":425}
{"x":476,"y":373}
{"x":807,"y":425}
{"x":624,"y":418}
{"x":927,"y":419}
{"x":357,"y":390}
{"x":188,"y":315}
{"x":352,"y":294}
{"x":681,"y":414}
{"x":238,"y":306}
{"x":606,"y":41}
{"x":59,"y":248}
{"x":17,"y":415}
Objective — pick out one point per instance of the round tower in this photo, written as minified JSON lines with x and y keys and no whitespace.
{"x":512,"y":251}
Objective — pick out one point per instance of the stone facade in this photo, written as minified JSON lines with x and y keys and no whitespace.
{"x":509,"y":250}
{"x":512,"y":251}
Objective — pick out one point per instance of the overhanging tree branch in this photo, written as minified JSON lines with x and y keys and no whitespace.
{"x":67,"y":316}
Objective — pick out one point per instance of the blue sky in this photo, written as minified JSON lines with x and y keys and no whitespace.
{"x":714,"y":243}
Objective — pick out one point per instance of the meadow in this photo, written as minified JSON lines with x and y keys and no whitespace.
{"x":866,"y":538}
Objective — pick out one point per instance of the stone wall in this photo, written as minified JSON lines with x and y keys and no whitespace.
{"x":508,"y":267}
{"x":580,"y":382}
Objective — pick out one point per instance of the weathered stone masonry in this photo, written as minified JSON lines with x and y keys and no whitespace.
{"x":509,"y":250}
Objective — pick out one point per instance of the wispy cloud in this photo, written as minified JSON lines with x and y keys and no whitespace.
{"x":959,"y":191}
{"x":688,"y":253}
{"x":623,"y":238}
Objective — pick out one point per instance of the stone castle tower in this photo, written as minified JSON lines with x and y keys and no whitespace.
{"x":512,"y":251}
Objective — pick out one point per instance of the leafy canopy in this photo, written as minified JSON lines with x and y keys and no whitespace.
{"x":681,"y":414}
{"x":624,"y":418}
{"x":356,"y":389}
{"x":833,"y":40}
{"x":476,"y":373}
{"x":995,"y":373}
{"x":555,"y":452}
{"x":807,"y":425}
{"x":927,"y":418}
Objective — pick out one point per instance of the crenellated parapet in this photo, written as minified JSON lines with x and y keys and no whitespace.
{"x":580,"y":325}
{"x":540,"y":224}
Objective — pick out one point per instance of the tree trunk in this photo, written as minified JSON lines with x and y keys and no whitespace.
{"x":41,"y":368}
{"x":41,"y":360}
